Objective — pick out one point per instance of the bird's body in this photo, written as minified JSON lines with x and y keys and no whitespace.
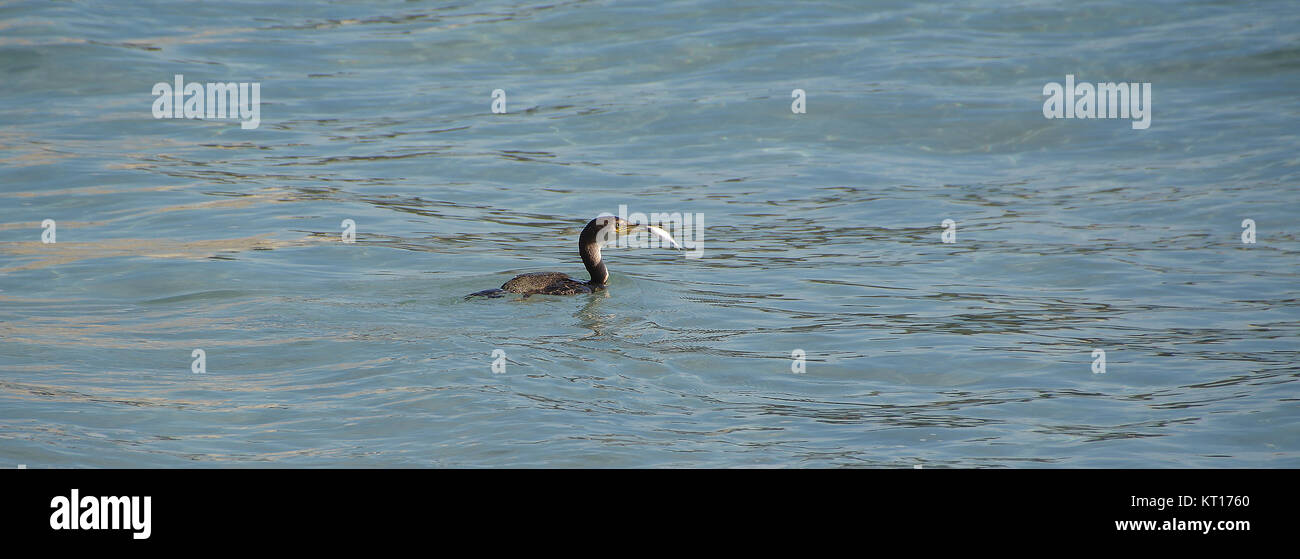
{"x":598,"y":231}
{"x":549,"y":283}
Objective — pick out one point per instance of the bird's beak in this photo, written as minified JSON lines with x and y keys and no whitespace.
{"x":659,"y":233}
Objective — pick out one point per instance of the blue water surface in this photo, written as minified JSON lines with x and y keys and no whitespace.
{"x":824,"y":323}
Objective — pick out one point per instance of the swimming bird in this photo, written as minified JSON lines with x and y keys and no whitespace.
{"x":603,"y":229}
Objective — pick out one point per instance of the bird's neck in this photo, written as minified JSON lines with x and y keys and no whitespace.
{"x":595,"y":266}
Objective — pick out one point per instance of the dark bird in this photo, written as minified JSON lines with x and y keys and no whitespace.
{"x":603,"y":229}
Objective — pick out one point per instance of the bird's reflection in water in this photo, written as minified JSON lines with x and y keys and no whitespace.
{"x":589,"y":315}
